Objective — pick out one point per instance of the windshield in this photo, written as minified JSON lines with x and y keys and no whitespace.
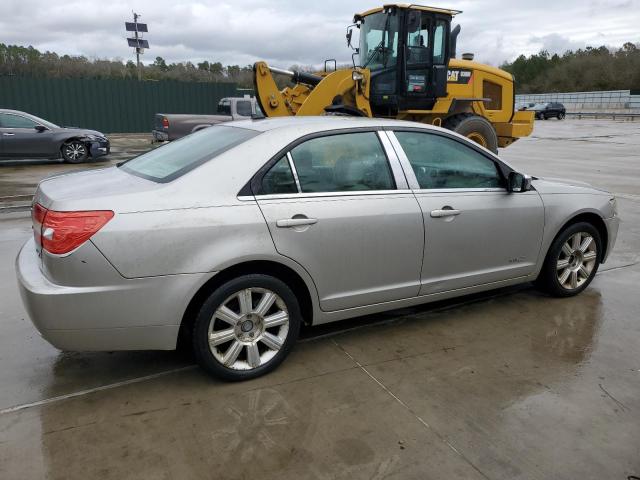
{"x":379,"y":41}
{"x":173,"y":160}
{"x":540,"y":106}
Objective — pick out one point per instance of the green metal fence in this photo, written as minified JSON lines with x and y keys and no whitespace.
{"x":111,"y":106}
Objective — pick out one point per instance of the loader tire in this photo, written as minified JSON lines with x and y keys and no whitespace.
{"x":475,"y":128}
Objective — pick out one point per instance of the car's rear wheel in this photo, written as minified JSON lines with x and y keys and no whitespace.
{"x":74,"y":151}
{"x":572,"y":261}
{"x":246,"y":327}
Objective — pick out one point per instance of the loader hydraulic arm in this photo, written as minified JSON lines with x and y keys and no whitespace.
{"x":311,"y":93}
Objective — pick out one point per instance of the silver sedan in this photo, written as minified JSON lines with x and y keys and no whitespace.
{"x":231,"y":238}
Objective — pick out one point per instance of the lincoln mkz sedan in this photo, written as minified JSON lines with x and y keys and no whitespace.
{"x":230,"y":238}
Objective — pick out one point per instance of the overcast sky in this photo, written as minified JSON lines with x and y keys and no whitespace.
{"x":286,"y":32}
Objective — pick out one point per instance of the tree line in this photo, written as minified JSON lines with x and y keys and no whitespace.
{"x":29,"y":61}
{"x":582,"y":70}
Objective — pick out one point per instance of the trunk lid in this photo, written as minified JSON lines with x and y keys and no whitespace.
{"x":101,"y":189}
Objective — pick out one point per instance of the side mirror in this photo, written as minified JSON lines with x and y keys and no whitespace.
{"x":40,"y":128}
{"x":518,"y":182}
{"x":349,"y":36}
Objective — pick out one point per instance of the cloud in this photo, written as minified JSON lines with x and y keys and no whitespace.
{"x":555,"y":43}
{"x":286,"y":32}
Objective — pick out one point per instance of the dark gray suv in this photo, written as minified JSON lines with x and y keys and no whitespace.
{"x":545,"y":111}
{"x":26,"y":136}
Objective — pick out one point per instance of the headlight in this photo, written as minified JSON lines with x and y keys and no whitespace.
{"x":95,"y":138}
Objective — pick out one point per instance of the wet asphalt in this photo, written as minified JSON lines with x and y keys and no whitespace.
{"x":510,"y":384}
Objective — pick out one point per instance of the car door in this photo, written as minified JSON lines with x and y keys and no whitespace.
{"x":339,"y":206}
{"x":21,"y":139}
{"x":475,"y":231}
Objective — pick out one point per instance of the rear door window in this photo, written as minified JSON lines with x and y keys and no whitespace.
{"x":279,"y":179}
{"x":180,"y":156}
{"x":342,"y":163}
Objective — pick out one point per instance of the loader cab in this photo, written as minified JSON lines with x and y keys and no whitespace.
{"x":407,"y":52}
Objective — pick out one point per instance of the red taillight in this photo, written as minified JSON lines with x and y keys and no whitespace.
{"x":37,"y":217}
{"x":62,"y":232}
{"x":165,"y":122}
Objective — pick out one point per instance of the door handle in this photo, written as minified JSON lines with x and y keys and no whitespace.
{"x":8,"y":134}
{"x":445,"y":212}
{"x":295,"y":222}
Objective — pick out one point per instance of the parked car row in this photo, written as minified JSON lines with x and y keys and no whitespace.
{"x":229,"y":239}
{"x":25,"y":136}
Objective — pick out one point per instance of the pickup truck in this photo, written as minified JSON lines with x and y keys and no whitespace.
{"x":171,"y":126}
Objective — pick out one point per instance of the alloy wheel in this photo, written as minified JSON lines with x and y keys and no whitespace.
{"x":75,"y":150}
{"x":248,"y":329}
{"x":576,"y":260}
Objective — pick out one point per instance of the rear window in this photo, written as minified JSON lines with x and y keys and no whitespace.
{"x":173,"y":160}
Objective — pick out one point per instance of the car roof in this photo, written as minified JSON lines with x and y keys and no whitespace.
{"x":6,"y":110}
{"x":320,"y":123}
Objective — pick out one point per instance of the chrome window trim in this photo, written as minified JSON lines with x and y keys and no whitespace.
{"x":294,"y":171}
{"x":422,"y":191}
{"x":410,"y":175}
{"x":393,"y":160}
{"x":299,"y":196}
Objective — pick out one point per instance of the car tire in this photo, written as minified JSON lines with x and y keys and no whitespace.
{"x":561,"y":116}
{"x":74,"y":151}
{"x":231,"y":336}
{"x":475,"y":128}
{"x":572,"y":261}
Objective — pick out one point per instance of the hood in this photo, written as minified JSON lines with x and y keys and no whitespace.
{"x":561,"y":185}
{"x":83,"y":131}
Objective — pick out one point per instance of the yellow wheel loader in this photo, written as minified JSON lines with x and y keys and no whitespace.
{"x":406,"y":69}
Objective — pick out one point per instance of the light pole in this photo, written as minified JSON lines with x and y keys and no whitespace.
{"x":137,"y":41}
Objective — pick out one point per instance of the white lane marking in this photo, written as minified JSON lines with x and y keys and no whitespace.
{"x":410,"y":410}
{"x":47,"y":401}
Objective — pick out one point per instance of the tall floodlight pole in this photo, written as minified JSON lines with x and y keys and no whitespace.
{"x":137,"y":41}
{"x":135,"y":20}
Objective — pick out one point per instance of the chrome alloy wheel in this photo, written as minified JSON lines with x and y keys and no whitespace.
{"x":248,"y":328}
{"x":576,"y":260}
{"x":75,"y":150}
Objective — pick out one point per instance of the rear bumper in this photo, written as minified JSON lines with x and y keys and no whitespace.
{"x":131,"y":314}
{"x":160,"y":136}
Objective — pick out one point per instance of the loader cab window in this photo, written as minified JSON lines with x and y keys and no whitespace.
{"x":439,"y":38}
{"x":417,"y":38}
{"x":379,"y":41}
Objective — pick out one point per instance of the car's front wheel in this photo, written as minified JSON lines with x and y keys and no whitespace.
{"x":572,"y":261}
{"x":561,"y":116}
{"x":74,"y":151}
{"x":246,"y":327}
